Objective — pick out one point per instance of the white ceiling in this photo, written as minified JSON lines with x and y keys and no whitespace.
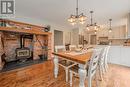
{"x":57,"y":11}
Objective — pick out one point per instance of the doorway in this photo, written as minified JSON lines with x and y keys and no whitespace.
{"x":58,"y":37}
{"x":93,"y":39}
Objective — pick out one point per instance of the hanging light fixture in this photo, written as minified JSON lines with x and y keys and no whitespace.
{"x":78,"y":18}
{"x":110,"y":29}
{"x":95,"y":31}
{"x":92,"y":26}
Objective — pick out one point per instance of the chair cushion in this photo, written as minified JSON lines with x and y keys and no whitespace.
{"x":65,"y":63}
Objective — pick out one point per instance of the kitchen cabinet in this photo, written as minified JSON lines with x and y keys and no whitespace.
{"x":118,"y":33}
{"x":125,"y":55}
{"x":102,"y":33}
{"x":128,"y":26}
{"x":119,"y":55}
{"x":114,"y":55}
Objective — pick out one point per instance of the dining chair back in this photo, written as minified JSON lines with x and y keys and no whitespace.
{"x":94,"y":62}
{"x":72,"y":47}
{"x":60,"y":48}
{"x":80,"y":46}
{"x":93,"y":65}
{"x":101,"y":63}
{"x":66,"y":64}
{"x":106,"y":58}
{"x":90,"y":68}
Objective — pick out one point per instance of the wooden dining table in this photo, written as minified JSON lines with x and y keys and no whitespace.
{"x":81,"y":59}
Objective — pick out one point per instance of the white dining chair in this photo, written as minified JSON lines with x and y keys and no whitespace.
{"x":62,"y":62}
{"x":72,"y":47}
{"x":80,"y":46}
{"x":106,"y":58}
{"x":103,"y":61}
{"x":91,"y":68}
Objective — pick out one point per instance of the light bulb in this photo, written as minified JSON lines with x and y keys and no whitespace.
{"x":110,"y":30}
{"x":95,"y":32}
{"x":95,"y":28}
{"x":87,"y":28}
{"x":73,"y":23}
{"x":82,"y":17}
{"x":70,"y":19}
{"x":82,"y":22}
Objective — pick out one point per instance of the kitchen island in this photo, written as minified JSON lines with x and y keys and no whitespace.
{"x":119,"y":54}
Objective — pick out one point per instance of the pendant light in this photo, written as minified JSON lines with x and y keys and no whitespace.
{"x":110,"y":29}
{"x":78,"y":18}
{"x":92,"y":26}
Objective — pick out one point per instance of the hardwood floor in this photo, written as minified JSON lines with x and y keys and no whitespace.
{"x":41,"y":75}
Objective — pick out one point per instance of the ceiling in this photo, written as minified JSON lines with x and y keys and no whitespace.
{"x":57,"y":11}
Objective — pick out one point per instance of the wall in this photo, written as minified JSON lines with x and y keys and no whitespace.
{"x":58,"y":37}
{"x":1,"y":49}
{"x":128,"y":25}
{"x":10,"y":45}
{"x":75,"y":36}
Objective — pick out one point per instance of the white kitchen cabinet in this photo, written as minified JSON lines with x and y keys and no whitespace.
{"x":118,"y":33}
{"x":102,"y":33}
{"x":119,"y":55}
{"x":123,"y":32}
{"x":111,"y":34}
{"x":125,"y":55}
{"x":114,"y":55}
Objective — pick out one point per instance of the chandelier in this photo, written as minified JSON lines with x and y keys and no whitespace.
{"x":92,"y":26}
{"x":110,"y":29}
{"x":78,"y":18}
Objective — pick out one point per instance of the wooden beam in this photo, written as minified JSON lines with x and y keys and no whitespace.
{"x":31,"y":31}
{"x":21,"y":23}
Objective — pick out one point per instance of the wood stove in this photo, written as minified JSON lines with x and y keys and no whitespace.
{"x":23,"y":53}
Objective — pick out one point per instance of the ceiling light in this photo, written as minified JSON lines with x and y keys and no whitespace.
{"x":110,"y":29}
{"x":78,"y":18}
{"x":92,"y":26}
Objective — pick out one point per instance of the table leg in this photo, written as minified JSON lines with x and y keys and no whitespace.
{"x":56,"y":67}
{"x":82,"y":75}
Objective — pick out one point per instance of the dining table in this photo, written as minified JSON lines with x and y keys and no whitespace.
{"x":81,"y":58}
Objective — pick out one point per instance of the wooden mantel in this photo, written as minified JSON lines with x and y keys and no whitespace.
{"x":31,"y":31}
{"x":35,"y":29}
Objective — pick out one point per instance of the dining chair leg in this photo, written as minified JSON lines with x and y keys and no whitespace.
{"x":96,"y":78}
{"x":100,"y":73}
{"x":82,"y":75}
{"x":106,"y":67}
{"x":71,"y":78}
{"x":66,"y":71}
{"x":103,"y":69}
{"x":56,"y":66}
{"x":90,"y":81}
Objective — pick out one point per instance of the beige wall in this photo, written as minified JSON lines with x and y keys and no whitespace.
{"x":75,"y":37}
{"x":58,"y":37}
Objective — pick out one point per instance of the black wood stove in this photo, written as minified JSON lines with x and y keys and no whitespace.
{"x":23,"y":53}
